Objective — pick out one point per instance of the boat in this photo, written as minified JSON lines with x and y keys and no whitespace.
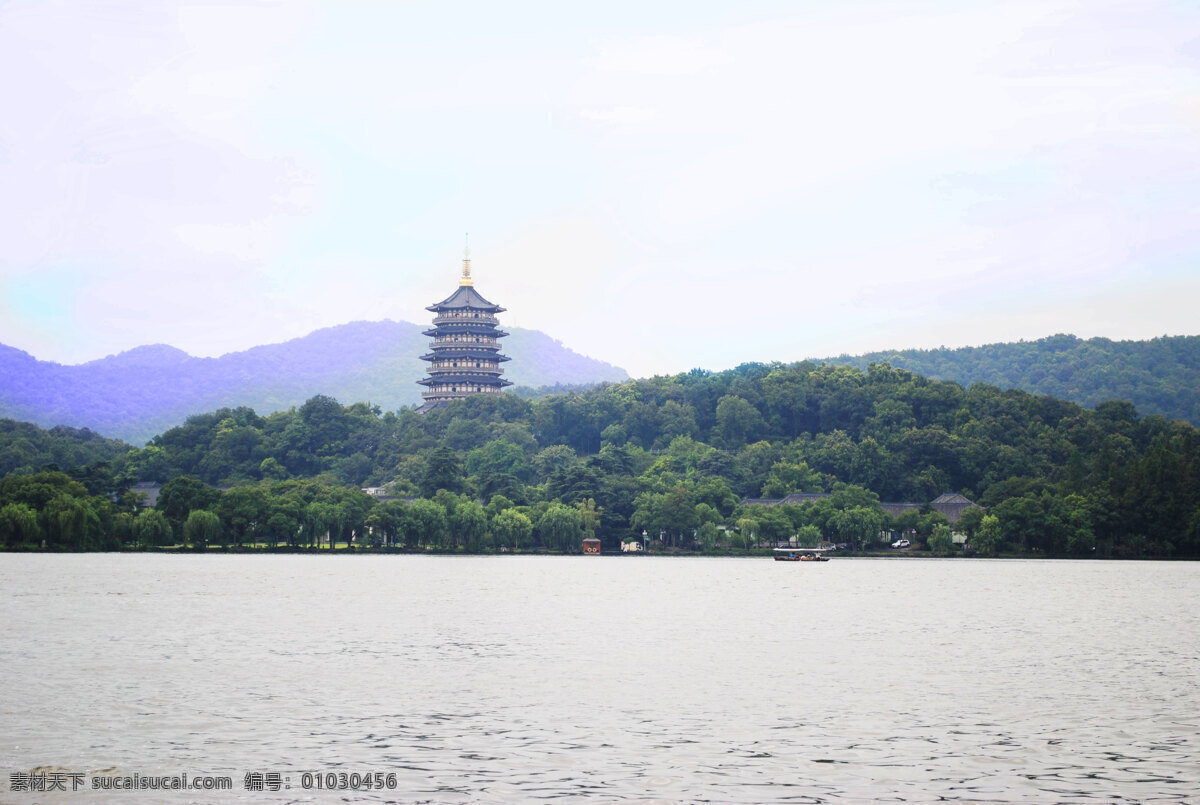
{"x":801,"y":555}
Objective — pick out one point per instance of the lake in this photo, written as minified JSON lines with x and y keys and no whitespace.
{"x":507,"y":679}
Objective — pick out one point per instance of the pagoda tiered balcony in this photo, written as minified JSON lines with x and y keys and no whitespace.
{"x":486,"y":370}
{"x":459,"y":389}
{"x":464,"y":341}
{"x":442,"y":363}
{"x":458,"y":316}
{"x":439,"y":396}
{"x":464,"y":352}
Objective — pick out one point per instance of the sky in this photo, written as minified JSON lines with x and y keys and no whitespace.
{"x":660,"y":185}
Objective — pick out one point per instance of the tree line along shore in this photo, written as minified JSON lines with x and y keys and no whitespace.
{"x":673,"y":459}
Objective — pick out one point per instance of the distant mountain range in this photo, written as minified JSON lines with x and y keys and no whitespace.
{"x":1159,"y":376}
{"x":144,"y":391}
{"x":140,"y":393}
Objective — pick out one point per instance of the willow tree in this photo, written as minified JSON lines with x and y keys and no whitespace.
{"x":512,"y":528}
{"x":560,"y":527}
{"x":18,"y":525}
{"x":201,"y":529}
{"x":151,"y":528}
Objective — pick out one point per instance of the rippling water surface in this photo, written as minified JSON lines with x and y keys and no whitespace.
{"x":508,"y":679}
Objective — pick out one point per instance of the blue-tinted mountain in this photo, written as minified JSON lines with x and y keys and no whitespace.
{"x":1159,"y":376}
{"x":144,"y":391}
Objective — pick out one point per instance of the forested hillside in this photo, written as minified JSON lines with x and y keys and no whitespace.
{"x":1159,"y":376}
{"x":668,"y":456}
{"x":146,"y":390}
{"x":25,"y":447}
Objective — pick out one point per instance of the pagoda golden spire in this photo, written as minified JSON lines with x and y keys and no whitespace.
{"x":466,"y":275}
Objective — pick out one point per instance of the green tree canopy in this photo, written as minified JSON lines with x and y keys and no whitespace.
{"x":560,"y":528}
{"x":202,"y":528}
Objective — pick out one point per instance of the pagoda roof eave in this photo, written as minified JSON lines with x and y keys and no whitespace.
{"x":465,"y":297}
{"x":458,"y":329}
{"x":477,"y":380}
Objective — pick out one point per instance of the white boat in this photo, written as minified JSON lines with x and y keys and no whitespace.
{"x":801,"y":555}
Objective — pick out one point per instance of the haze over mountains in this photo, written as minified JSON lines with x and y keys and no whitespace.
{"x":142,"y":392}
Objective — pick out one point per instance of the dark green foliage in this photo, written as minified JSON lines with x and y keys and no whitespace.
{"x":667,"y":456}
{"x":427,"y":524}
{"x":1159,"y":376}
{"x":469,"y":525}
{"x":19,"y":525}
{"x":26,"y":448}
{"x":442,"y":471}
{"x":182,"y":495}
{"x":151,"y":528}
{"x":68,"y":517}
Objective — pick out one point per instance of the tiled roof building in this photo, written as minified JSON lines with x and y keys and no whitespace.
{"x":952,"y":505}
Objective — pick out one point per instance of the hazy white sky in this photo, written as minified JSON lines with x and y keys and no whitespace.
{"x":660,"y":185}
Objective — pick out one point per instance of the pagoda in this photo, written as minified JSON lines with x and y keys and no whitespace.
{"x":465,"y":355}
